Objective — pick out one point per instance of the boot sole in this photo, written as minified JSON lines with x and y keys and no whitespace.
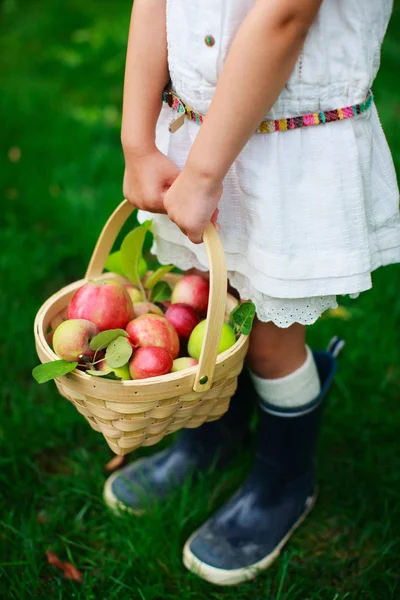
{"x":113,"y":502}
{"x":236,"y":576}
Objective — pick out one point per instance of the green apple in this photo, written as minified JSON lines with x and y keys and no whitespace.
{"x":196,"y":339}
{"x":122,"y":372}
{"x":133,"y":292}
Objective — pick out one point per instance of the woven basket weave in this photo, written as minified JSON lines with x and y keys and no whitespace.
{"x":138,"y":413}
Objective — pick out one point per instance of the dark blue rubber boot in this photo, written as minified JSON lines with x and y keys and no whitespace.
{"x":249,"y":531}
{"x":138,"y":485}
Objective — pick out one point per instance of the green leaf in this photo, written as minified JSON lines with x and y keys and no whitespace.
{"x":52,"y":370}
{"x":142,"y":267}
{"x":118,"y":352}
{"x":241,"y":318}
{"x":113,"y":264}
{"x":157,"y":275}
{"x":131,"y":252}
{"x":104,"y":338}
{"x":109,"y":374}
{"x":161,"y":292}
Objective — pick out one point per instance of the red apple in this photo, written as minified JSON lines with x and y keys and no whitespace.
{"x":150,"y":361}
{"x":72,"y":339}
{"x":106,"y":303}
{"x":185,"y":362}
{"x":192,"y":290}
{"x":183,"y":317}
{"x":144,"y":308}
{"x":154,"y":330}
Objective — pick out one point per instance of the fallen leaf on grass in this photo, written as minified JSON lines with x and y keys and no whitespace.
{"x":114,"y":463}
{"x":70,"y":572}
{"x":339,"y":313}
{"x":163,"y":566}
{"x":14,"y":154}
{"x":42,"y":517}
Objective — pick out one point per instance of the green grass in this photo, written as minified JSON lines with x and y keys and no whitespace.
{"x":61,"y":74}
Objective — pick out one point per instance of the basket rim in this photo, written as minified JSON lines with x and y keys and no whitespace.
{"x":81,"y":376}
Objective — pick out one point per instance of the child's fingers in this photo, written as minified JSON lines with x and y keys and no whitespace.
{"x":214,"y":219}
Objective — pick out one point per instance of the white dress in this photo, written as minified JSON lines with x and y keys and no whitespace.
{"x":306,"y":214}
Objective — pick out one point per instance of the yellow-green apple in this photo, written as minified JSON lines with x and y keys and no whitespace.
{"x":72,"y":339}
{"x":122,"y":372}
{"x":196,"y":339}
{"x":185,"y":362}
{"x":192,"y":290}
{"x":150,"y":361}
{"x":106,"y":303}
{"x":133,"y":292}
{"x":183,"y":317}
{"x":154,"y":330}
{"x":144,"y":308}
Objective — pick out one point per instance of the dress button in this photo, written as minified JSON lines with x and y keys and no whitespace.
{"x":209,"y":40}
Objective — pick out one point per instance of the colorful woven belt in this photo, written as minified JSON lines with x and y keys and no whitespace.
{"x":270,"y":126}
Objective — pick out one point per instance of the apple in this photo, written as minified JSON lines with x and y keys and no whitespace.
{"x":72,"y":339}
{"x":196,"y":339}
{"x":144,"y":308}
{"x":134,"y":293}
{"x":183,"y":363}
{"x":122,"y":372}
{"x":106,"y":303}
{"x":192,"y":290}
{"x":154,"y":330}
{"x":150,"y":361}
{"x":183,"y":317}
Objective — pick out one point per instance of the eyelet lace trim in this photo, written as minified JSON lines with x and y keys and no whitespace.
{"x":281,"y":311}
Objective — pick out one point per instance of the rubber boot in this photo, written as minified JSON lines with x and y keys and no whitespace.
{"x":138,"y":485}
{"x":249,"y":531}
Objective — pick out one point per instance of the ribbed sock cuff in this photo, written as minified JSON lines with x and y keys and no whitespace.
{"x":298,"y":389}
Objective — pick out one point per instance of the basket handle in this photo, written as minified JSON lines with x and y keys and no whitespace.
{"x":218,"y":286}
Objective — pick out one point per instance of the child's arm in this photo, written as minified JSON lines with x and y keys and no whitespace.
{"x":148,"y":173}
{"x":258,"y":65}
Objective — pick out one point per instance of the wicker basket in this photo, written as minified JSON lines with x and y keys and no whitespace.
{"x":131,"y":414}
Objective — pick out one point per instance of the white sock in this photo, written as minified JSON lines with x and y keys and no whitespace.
{"x":297,"y":389}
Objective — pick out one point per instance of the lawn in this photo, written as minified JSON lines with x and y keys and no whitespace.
{"x":61,"y":72}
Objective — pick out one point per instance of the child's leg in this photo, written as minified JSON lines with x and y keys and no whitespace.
{"x":276,"y":352}
{"x":248,"y":532}
{"x":282,"y":366}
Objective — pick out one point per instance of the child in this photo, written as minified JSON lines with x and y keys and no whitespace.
{"x":291,"y":163}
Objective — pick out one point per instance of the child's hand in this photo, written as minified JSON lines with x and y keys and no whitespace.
{"x":191,"y":202}
{"x":147,"y":177}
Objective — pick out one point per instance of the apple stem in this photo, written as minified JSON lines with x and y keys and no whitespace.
{"x":95,"y":362}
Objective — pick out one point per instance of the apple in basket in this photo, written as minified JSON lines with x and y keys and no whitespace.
{"x":185,"y":362}
{"x":143,"y":308}
{"x":195,"y":343}
{"x":122,"y":372}
{"x":72,"y":339}
{"x":133,"y":292}
{"x":154,"y":330}
{"x":150,"y":361}
{"x":192,"y":290}
{"x":106,"y":303}
{"x":183,"y":317}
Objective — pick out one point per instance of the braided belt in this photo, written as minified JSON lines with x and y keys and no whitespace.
{"x":269,"y":126}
